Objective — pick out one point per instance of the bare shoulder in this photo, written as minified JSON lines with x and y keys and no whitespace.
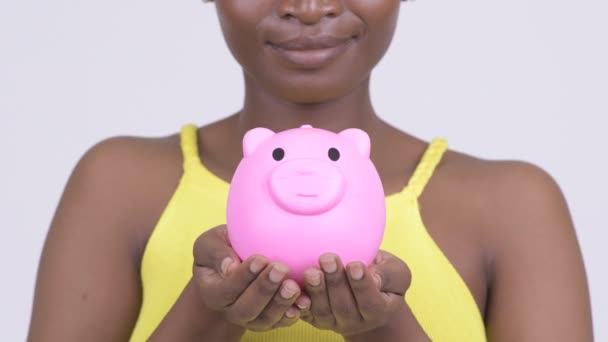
{"x":139,"y":173}
{"x":134,"y":152}
{"x":499,"y":201}
{"x":502,"y":191}
{"x":110,"y":202}
{"x":478,"y":171}
{"x":513,"y":216}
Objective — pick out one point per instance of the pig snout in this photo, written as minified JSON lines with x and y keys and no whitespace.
{"x":307,"y":186}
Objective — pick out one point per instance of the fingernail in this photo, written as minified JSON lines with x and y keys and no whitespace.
{"x":313,"y":277}
{"x":328,"y":263}
{"x":257,"y":265}
{"x":288,"y":291}
{"x":356,"y":272}
{"x":277,"y":273}
{"x":303,"y":303}
{"x":291,"y":312}
{"x":225,"y":264}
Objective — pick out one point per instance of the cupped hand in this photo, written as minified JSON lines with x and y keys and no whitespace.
{"x":356,"y":299}
{"x":253,"y":294}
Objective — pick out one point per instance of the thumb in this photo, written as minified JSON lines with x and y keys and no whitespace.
{"x":212,"y":250}
{"x":391,"y":274}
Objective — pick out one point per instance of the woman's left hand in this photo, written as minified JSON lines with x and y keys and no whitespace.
{"x":360,"y":302}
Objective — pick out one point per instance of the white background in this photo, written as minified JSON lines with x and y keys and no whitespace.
{"x":499,"y":79}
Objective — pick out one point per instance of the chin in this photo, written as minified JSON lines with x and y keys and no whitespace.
{"x":310,"y":92}
{"x":305,"y":97}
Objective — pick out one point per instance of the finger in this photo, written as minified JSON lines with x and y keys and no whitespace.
{"x":371,"y":303}
{"x":320,"y":311}
{"x":212,"y":249}
{"x":260,"y":292}
{"x":290,"y":317}
{"x":280,"y":308}
{"x":306,"y":316}
{"x":395,"y":276}
{"x":341,"y":300}
{"x":303,"y":304}
{"x":219,"y":292}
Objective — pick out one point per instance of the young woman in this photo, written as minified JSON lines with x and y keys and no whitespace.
{"x":473,"y":249}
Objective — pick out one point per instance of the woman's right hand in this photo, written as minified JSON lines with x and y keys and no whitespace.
{"x":253,"y":294}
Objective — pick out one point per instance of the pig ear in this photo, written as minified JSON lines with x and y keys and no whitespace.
{"x":253,"y":138}
{"x":359,"y":138}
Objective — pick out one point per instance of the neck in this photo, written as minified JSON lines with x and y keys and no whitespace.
{"x":262,"y":109}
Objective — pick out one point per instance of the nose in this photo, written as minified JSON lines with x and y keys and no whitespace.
{"x":310,"y":12}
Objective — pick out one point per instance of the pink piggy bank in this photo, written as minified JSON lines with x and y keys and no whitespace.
{"x":304,"y":192}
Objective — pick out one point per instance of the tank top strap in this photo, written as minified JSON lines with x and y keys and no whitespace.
{"x":189,"y":146}
{"x":427,"y":165}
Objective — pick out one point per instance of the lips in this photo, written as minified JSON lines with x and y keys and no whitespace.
{"x":310,"y":43}
{"x":310,"y":52}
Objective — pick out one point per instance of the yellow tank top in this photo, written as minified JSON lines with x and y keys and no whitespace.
{"x":438,"y":297}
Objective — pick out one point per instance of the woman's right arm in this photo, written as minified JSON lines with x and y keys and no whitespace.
{"x":88,"y":285}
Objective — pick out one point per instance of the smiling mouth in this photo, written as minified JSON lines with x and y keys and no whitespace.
{"x":307,"y":195}
{"x":311,"y":53}
{"x":304,"y":43}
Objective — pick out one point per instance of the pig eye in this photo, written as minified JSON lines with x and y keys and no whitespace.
{"x":278,"y":154}
{"x":333,"y":154}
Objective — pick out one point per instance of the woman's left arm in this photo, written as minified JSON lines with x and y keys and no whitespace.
{"x":538,"y":287}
